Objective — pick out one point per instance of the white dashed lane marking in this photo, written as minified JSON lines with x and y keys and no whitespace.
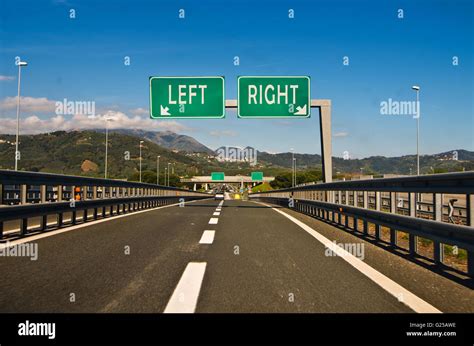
{"x":186,"y":293}
{"x":213,"y":221}
{"x":207,"y":237}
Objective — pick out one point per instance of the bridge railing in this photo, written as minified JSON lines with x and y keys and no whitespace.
{"x":437,"y":207}
{"x":56,"y":200}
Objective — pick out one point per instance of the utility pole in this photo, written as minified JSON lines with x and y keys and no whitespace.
{"x":141,"y":142}
{"x":17,"y":153}
{"x":158,"y":170}
{"x":417,"y":90}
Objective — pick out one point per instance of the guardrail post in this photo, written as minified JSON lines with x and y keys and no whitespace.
{"x":412,"y":239}
{"x":393,"y":210}
{"x":470,"y":222}
{"x":366,"y":205}
{"x":470,"y":210}
{"x":59,"y":197}
{"x":23,"y":227}
{"x":42,"y":193}
{"x":44,"y":218}
{"x":438,"y":248}
{"x":378,"y":206}
{"x":23,"y":193}
{"x":1,"y":194}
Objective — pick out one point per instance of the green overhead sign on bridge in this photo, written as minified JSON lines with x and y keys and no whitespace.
{"x":256,"y":176}
{"x":187,"y":97}
{"x":274,"y":97}
{"x":217,"y":176}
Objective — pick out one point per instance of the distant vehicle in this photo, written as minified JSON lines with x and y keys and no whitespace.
{"x":219,"y":195}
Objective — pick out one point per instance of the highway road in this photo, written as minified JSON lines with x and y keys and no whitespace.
{"x":217,"y":256}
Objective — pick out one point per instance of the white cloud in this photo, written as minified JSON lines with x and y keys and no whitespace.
{"x":33,"y":124}
{"x":340,"y":134}
{"x":140,"y":111}
{"x":29,"y":104}
{"x":7,"y":78}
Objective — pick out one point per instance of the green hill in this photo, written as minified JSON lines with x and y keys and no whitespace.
{"x":83,"y":153}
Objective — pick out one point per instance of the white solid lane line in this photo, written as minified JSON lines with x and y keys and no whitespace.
{"x":402,"y":294}
{"x":186,"y":293}
{"x":216,"y":213}
{"x":207,"y":237}
{"x":213,"y":221}
{"x":86,"y":224}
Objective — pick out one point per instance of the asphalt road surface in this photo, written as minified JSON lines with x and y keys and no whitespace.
{"x":213,"y":256}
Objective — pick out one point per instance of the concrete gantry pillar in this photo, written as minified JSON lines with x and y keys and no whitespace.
{"x":326,"y":136}
{"x":324,"y":107}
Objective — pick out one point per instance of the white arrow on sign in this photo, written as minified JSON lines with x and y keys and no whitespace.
{"x":164,"y":110}
{"x":300,"y":110}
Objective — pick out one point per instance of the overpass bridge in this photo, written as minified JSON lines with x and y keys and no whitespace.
{"x":350,"y":246}
{"x":242,"y":180}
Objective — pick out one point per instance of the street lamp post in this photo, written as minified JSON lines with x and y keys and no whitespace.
{"x":107,"y":119}
{"x":166,"y":174}
{"x":20,"y":64}
{"x":141,"y":142}
{"x":294,"y":168}
{"x":169,"y":163}
{"x":158,"y":170}
{"x":417,"y":89}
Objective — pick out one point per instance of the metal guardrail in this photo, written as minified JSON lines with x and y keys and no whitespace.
{"x":331,"y":202}
{"x":456,"y":183}
{"x":104,"y":197}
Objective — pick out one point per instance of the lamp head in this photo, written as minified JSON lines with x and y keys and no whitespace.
{"x":415,"y":87}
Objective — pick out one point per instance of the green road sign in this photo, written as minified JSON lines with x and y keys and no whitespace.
{"x":217,"y":176}
{"x":256,"y":175}
{"x":187,"y":97}
{"x":274,"y":97}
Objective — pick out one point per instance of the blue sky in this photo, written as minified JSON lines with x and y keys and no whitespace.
{"x":82,"y":59}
